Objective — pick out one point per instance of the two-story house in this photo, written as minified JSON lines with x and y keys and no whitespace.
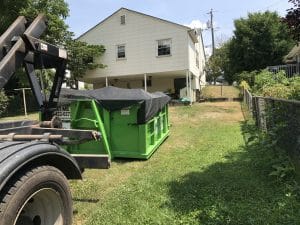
{"x":147,"y":52}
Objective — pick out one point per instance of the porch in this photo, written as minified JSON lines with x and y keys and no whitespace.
{"x":177,"y":84}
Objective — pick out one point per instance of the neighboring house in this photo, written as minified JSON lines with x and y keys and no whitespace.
{"x":143,"y":51}
{"x":292,"y":63}
{"x":293,"y":56}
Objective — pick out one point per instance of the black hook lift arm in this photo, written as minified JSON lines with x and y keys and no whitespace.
{"x":20,"y":47}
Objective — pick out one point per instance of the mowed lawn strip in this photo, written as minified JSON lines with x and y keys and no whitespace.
{"x":30,"y":116}
{"x":202,"y":174}
{"x":219,"y":91}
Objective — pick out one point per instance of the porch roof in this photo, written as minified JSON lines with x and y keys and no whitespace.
{"x":169,"y":74}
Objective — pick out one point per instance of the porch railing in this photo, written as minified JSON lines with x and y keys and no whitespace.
{"x":289,"y":69}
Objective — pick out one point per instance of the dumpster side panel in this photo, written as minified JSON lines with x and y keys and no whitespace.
{"x":126,"y":138}
{"x":83,"y":117}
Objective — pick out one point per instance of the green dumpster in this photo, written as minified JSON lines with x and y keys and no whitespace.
{"x":132,"y":123}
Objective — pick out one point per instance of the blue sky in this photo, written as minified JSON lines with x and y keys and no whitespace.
{"x":87,"y":13}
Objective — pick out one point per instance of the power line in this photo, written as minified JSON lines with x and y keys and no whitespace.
{"x":273,"y":4}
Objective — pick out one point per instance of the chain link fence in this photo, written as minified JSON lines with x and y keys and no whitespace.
{"x":280,"y":118}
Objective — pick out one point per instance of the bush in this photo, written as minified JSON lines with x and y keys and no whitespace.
{"x":277,"y":91}
{"x":3,"y":102}
{"x":249,"y":77}
{"x":276,"y":85}
{"x":267,"y":79}
{"x":244,"y":85}
{"x":295,"y":86}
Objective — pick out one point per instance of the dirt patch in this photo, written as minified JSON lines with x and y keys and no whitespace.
{"x":212,"y":91}
{"x":225,"y":111}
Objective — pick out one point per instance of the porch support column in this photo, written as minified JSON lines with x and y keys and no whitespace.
{"x":106,"y":82}
{"x":190,"y":88}
{"x":145,"y":81}
{"x":187,"y":82}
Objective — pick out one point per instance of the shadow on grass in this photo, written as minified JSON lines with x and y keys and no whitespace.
{"x":86,"y":200}
{"x":236,"y":191}
{"x":127,"y":160}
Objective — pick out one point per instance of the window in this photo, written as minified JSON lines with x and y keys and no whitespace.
{"x":122,"y":20}
{"x":121,"y":52}
{"x":164,"y":47}
{"x":197,"y":59}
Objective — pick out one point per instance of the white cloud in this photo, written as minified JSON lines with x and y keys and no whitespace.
{"x":197,"y":24}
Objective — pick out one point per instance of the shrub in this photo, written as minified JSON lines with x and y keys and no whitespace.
{"x":295,"y":86}
{"x":267,"y":79}
{"x":276,"y":85}
{"x":3,"y":102}
{"x":244,"y":85}
{"x":249,"y":77}
{"x":277,"y":91}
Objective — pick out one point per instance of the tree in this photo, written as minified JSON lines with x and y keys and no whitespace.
{"x":3,"y":101}
{"x":83,"y":57}
{"x":9,"y":11}
{"x":56,"y":11}
{"x":213,"y":69}
{"x":57,"y":32}
{"x":260,"y":40}
{"x":217,"y":64}
{"x":292,"y":19}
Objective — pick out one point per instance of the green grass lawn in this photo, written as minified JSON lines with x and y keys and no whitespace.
{"x":204,"y":173}
{"x":220,"y":92}
{"x":31,"y":116}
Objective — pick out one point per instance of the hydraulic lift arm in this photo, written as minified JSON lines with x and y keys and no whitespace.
{"x":20,"y":46}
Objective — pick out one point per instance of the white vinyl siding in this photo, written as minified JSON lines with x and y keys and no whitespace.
{"x":141,"y":35}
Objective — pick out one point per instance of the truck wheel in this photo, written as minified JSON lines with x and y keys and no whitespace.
{"x":39,"y":196}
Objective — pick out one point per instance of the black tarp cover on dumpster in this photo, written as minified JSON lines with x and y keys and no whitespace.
{"x":113,"y":98}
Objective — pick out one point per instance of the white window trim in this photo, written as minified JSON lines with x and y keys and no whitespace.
{"x":159,"y":56}
{"x":117,"y":58}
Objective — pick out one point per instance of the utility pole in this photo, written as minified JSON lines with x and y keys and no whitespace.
{"x":211,"y":25}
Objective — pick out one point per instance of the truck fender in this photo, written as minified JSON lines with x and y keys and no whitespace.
{"x":15,"y":156}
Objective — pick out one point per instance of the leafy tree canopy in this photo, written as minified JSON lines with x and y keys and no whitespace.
{"x":57,"y":33}
{"x":56,"y":11}
{"x":84,"y":57}
{"x":292,"y":19}
{"x":260,"y":40}
{"x":215,"y":65}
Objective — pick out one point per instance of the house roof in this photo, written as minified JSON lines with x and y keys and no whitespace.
{"x":292,"y":54}
{"x":143,"y":14}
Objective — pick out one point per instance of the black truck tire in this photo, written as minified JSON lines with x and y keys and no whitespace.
{"x":37,"y":196}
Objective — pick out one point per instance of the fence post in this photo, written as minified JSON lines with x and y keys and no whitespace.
{"x":255,"y":110}
{"x":262,"y":114}
{"x":24,"y":102}
{"x":221,"y":90}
